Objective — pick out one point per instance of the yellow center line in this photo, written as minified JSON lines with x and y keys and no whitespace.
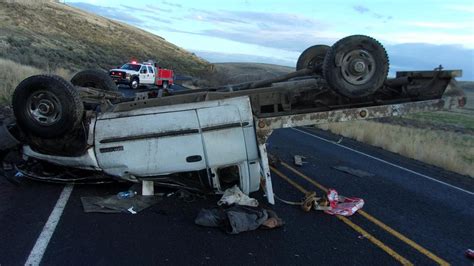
{"x":374,"y":220}
{"x":357,"y":228}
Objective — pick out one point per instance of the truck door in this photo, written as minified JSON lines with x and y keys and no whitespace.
{"x":224,"y":140}
{"x":150,"y":144}
{"x":152,"y":73}
{"x":145,"y":77}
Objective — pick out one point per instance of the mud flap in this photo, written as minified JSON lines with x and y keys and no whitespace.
{"x":265,"y":169}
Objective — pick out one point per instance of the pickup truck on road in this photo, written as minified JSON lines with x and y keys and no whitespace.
{"x":135,"y":74}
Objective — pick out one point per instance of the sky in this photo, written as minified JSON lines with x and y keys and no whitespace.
{"x":418,"y":34}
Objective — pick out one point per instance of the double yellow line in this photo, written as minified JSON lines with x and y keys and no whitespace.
{"x":369,"y":217}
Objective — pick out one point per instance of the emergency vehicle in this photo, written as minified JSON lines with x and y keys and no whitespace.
{"x":135,"y":74}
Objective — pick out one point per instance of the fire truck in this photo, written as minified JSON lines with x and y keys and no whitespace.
{"x":148,"y":73}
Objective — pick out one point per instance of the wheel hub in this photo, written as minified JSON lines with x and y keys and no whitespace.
{"x":357,"y":66}
{"x":44,"y":108}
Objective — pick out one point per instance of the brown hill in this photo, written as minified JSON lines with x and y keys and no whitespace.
{"x":48,"y":35}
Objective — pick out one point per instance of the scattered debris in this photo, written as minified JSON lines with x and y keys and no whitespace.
{"x":130,"y":210}
{"x":126,"y":194}
{"x":470,"y":253}
{"x":341,"y":205}
{"x":112,"y":204}
{"x":299,"y":160}
{"x":186,"y":195}
{"x":352,"y":171}
{"x":332,"y":203}
{"x":237,"y":219}
{"x":234,"y":195}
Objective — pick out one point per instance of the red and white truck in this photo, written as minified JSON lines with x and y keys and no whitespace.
{"x":135,"y":74}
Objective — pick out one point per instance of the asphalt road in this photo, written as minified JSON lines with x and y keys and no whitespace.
{"x":413,"y":213}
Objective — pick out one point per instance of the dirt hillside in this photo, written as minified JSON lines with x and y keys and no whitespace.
{"x":48,"y":35}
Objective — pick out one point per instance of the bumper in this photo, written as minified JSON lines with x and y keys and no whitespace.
{"x":120,"y":80}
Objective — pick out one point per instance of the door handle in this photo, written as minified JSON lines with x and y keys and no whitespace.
{"x":193,"y":158}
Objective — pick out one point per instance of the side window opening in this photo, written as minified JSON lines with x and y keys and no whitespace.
{"x":150,"y":69}
{"x":228,"y":176}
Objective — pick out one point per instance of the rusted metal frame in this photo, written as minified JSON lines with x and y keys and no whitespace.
{"x":265,"y":126}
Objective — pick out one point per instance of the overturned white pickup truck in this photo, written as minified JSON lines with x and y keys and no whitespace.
{"x":206,"y":139}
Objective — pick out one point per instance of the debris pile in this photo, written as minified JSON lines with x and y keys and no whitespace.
{"x":242,"y":215}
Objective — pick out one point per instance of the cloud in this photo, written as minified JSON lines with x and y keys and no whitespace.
{"x":120,"y":14}
{"x":171,"y":4}
{"x":134,"y":8}
{"x":361,"y":9}
{"x":439,"y":25}
{"x":462,"y":8}
{"x":158,"y":19}
{"x":275,"y":30}
{"x":266,"y":20}
{"x":365,"y":10}
{"x":124,"y":13}
{"x":155,"y":8}
{"x":216,"y":57}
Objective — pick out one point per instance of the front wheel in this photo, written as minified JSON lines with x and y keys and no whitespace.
{"x":134,"y":84}
{"x":47,"y":106}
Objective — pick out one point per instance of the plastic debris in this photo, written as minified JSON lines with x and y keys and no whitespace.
{"x":341,"y":205}
{"x":299,"y":160}
{"x":126,"y":194}
{"x":130,"y":210}
{"x":234,"y":195}
{"x":470,"y":253}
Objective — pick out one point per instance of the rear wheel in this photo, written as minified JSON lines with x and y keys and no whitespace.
{"x":94,"y":79}
{"x":356,"y":66}
{"x":312,"y":58}
{"x":47,"y":106}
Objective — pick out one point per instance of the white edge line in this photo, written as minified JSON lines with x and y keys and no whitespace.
{"x":389,"y":163}
{"x":41,"y":244}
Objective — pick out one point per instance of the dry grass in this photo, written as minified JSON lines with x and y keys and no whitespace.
{"x":11,"y":74}
{"x":448,"y":150}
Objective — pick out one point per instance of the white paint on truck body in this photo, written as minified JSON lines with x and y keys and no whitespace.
{"x":180,"y":138}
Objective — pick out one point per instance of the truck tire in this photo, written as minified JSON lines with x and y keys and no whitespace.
{"x":356,"y":66}
{"x":165,"y":85}
{"x":47,"y":106}
{"x":134,"y":83}
{"x":312,"y":58}
{"x":95,"y":79}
